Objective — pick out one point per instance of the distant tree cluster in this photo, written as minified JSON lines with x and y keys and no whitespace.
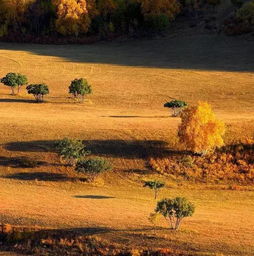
{"x":84,"y":17}
{"x":78,"y":87}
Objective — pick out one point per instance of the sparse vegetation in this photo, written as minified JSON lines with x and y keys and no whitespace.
{"x":38,"y":91}
{"x":14,"y":80}
{"x":79,"y":88}
{"x":175,"y":210}
{"x":155,"y":185}
{"x":71,"y":150}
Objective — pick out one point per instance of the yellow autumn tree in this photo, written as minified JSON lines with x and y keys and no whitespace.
{"x":200,"y":131}
{"x":72,"y":17}
{"x":170,"y":8}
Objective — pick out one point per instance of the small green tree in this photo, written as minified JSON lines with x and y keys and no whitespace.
{"x":155,"y":185}
{"x":71,"y":150}
{"x":14,"y":80}
{"x":174,"y":210}
{"x":176,"y":106}
{"x":38,"y":91}
{"x":79,"y":88}
{"x":93,"y":166}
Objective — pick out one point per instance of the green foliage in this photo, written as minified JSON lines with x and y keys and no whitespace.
{"x":246,"y":13}
{"x":176,"y":105}
{"x":14,"y":80}
{"x":38,"y":91}
{"x":71,"y":150}
{"x":155,"y":185}
{"x":156,"y":22}
{"x":79,"y":88}
{"x":174,"y":210}
{"x":93,"y":166}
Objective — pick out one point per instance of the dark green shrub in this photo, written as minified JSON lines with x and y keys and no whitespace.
{"x":38,"y":91}
{"x":157,"y":22}
{"x":176,"y":106}
{"x":174,"y":210}
{"x":14,"y":80}
{"x":71,"y":150}
{"x":79,"y":88}
{"x":93,"y":166}
{"x":155,"y":185}
{"x":246,"y":13}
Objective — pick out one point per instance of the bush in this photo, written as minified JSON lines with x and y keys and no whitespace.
{"x":176,"y":106}
{"x":174,"y":210}
{"x":71,"y":150}
{"x":155,"y":185}
{"x":93,"y":166}
{"x":38,"y":91}
{"x":14,"y":80}
{"x":79,"y":88}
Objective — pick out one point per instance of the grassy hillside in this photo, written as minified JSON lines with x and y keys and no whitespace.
{"x":121,"y":120}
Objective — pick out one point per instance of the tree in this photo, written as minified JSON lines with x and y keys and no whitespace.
{"x":174,"y":210}
{"x":13,"y":13}
{"x":72,"y":17}
{"x":176,"y":106}
{"x":246,"y":13}
{"x":14,"y":80}
{"x":155,"y":185}
{"x":38,"y":91}
{"x":93,"y":166}
{"x":79,"y":88}
{"x":199,"y":130}
{"x":155,"y":12}
{"x":71,"y":150}
{"x":41,"y":15}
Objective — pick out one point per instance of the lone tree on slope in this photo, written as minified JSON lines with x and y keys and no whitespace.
{"x":176,"y":106}
{"x":79,"y":88}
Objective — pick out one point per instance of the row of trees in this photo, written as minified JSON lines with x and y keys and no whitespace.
{"x":78,"y":87}
{"x":84,"y":17}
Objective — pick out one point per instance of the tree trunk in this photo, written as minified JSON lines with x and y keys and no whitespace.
{"x":12,"y":90}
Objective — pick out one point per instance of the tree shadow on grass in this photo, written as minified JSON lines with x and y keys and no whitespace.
{"x":40,"y":176}
{"x":31,"y":146}
{"x":93,"y":197}
{"x":130,"y":149}
{"x":21,"y":162}
{"x":17,"y":100}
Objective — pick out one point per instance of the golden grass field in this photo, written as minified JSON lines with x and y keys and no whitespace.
{"x":131,"y":81}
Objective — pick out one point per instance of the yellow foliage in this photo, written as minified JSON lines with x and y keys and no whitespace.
{"x":72,"y":17}
{"x":200,"y":131}
{"x":156,"y":7}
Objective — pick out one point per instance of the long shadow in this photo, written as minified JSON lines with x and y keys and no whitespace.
{"x":127,"y":148}
{"x":17,"y":100}
{"x":40,"y":176}
{"x":130,"y":149}
{"x":20,"y":162}
{"x":138,"y":116}
{"x":31,"y":146}
{"x":200,"y":52}
{"x":94,"y":197}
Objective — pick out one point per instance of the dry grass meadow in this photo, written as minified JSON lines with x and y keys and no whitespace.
{"x":121,"y":119}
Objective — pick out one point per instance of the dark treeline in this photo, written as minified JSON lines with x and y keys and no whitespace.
{"x":51,"y":19}
{"x":79,"y":18}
